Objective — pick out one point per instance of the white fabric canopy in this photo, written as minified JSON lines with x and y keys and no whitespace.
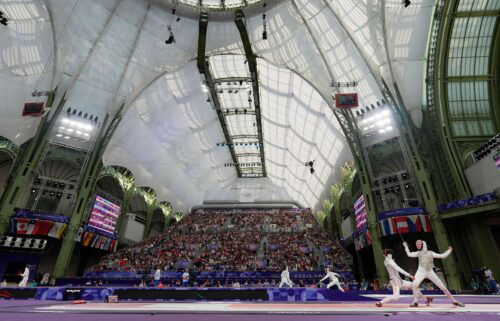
{"x":106,"y":53}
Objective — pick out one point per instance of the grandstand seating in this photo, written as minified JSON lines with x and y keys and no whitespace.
{"x":234,"y":240}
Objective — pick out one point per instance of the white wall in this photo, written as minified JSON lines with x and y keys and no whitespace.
{"x":131,"y":229}
{"x":483,"y":176}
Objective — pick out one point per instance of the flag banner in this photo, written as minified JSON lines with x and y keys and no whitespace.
{"x":96,"y":241}
{"x":426,"y":223}
{"x":12,"y":226}
{"x":79,"y":234}
{"x":362,"y":241}
{"x":22,"y":226}
{"x":414,"y":224}
{"x":57,"y":230}
{"x":42,"y":227}
{"x":401,"y":224}
{"x":27,"y":222}
{"x":471,"y":201}
{"x":368,"y":238}
{"x":405,"y":224}
{"x":87,"y":238}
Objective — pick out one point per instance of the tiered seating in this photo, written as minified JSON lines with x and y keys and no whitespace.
{"x":236,"y":240}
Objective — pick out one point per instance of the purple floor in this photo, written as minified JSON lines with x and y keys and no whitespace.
{"x":22,"y":310}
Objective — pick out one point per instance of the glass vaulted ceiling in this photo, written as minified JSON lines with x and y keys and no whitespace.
{"x":217,"y":4}
{"x":233,"y":87}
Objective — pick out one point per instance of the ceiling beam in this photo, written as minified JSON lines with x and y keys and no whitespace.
{"x":233,"y":79}
{"x":248,"y":155}
{"x":252,"y":65}
{"x":205,"y":71}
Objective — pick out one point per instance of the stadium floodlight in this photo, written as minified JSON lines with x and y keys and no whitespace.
{"x":76,"y":129}
{"x":377,"y":120}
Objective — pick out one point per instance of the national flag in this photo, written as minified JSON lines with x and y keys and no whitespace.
{"x":368,"y":238}
{"x":360,"y":242}
{"x":414,"y":224}
{"x":388,"y":227}
{"x":99,"y":242}
{"x":95,"y":239}
{"x":401,"y":224}
{"x":57,"y":230}
{"x":87,"y":238}
{"x":102,"y":246}
{"x":381,"y":228}
{"x":107,"y":244}
{"x":12,"y":226}
{"x":426,"y":223}
{"x":31,"y":227}
{"x":79,"y":234}
{"x":22,"y":226}
{"x":42,"y":227}
{"x":356,"y":244}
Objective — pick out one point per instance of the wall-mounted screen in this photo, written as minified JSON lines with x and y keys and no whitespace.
{"x":104,"y":215}
{"x":360,"y":213}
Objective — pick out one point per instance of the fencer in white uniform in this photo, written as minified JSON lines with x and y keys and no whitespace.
{"x":396,"y":282}
{"x":25,"y":276}
{"x":333,"y":279}
{"x":425,"y":270}
{"x":285,"y":278}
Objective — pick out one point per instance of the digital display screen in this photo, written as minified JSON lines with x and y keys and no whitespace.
{"x":104,"y":215}
{"x":360,"y":213}
{"x":346,"y":100}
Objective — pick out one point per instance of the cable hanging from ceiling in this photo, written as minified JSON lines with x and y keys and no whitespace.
{"x":39,"y":93}
{"x":171,"y":38}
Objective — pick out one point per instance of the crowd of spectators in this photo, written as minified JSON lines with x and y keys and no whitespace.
{"x":234,"y":240}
